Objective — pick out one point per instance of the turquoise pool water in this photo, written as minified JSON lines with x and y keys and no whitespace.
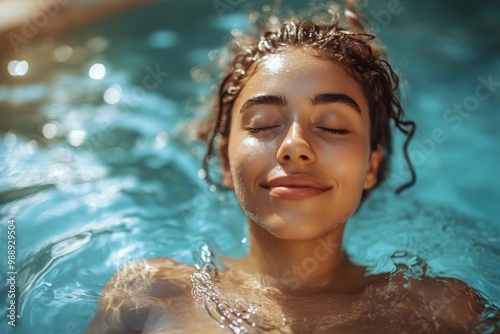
{"x":97,"y":173}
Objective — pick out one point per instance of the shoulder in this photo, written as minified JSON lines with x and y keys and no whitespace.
{"x":157,"y":277}
{"x":447,"y":299}
{"x":136,"y":290}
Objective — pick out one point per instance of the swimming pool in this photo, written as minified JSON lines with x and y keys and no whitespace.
{"x":97,"y":169}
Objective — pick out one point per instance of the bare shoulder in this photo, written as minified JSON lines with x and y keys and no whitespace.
{"x":136,"y":290}
{"x":448,"y":299}
{"x":157,"y":277}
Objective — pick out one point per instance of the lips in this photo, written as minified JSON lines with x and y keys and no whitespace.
{"x":295,"y":186}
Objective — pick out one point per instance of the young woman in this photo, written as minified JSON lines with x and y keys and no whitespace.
{"x":303,"y":131}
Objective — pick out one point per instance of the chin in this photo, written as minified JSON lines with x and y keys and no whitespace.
{"x":296,"y":229}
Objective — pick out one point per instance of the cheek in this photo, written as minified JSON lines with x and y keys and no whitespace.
{"x":245,"y":157}
{"x":349,"y":163}
{"x":248,"y":162}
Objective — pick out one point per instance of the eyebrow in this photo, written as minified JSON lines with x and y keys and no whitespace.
{"x":330,"y":98}
{"x":277,"y":100}
{"x":325,"y":98}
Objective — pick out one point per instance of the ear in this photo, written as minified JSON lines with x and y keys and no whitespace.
{"x":227,"y":177}
{"x":373,"y":166}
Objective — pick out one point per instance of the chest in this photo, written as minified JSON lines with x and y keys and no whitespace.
{"x":243,"y":309}
{"x":321,"y":322}
{"x":262,"y":311}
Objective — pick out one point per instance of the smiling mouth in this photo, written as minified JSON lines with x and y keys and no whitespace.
{"x":295,"y":187}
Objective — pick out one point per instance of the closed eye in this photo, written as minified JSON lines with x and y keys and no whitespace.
{"x":263,"y":129}
{"x":334,"y":131}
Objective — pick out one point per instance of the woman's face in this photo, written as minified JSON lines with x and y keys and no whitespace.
{"x":299,"y":146}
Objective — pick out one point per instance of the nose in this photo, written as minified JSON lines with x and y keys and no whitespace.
{"x":295,"y":147}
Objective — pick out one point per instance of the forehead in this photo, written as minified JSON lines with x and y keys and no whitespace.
{"x":300,"y":72}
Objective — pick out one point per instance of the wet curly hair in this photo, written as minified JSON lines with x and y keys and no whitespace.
{"x":347,"y":44}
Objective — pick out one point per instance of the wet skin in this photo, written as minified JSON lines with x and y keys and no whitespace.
{"x":304,"y":120}
{"x":298,"y":158}
{"x":154,"y":296}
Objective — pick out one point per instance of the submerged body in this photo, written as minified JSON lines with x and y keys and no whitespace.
{"x":158,"y":296}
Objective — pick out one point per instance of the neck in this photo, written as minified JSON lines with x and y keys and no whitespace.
{"x":295,"y":263}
